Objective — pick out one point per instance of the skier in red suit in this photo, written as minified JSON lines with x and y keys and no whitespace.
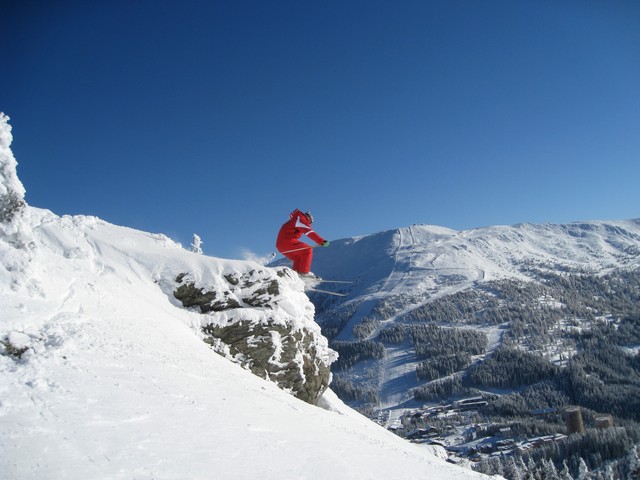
{"x":289,"y":244}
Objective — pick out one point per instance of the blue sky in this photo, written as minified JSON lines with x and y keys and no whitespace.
{"x":220,"y":117}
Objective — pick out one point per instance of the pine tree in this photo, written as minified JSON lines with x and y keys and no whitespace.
{"x":511,"y":469}
{"x":634,"y":465}
{"x":583,"y":470}
{"x":496,"y":466}
{"x":564,"y":473}
{"x":531,"y":470}
{"x":483,"y":466}
{"x":550,"y":471}
{"x":608,"y":472}
{"x":520,"y":465}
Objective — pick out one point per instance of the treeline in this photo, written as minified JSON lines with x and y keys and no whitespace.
{"x":599,"y":454}
{"x":348,"y":392}
{"x":600,"y":377}
{"x":459,"y":307}
{"x":332,"y":318}
{"x":393,"y":334}
{"x":529,"y":306}
{"x":365,"y":328}
{"x":442,"y":389}
{"x":542,"y":395}
{"x":622,"y":333}
{"x":351,"y":353}
{"x":617,"y":293}
{"x":489,"y":304}
{"x":604,"y":378}
{"x":432,"y":341}
{"x":442,"y":365}
{"x":596,"y":447}
{"x":510,"y":368}
{"x":447,"y":350}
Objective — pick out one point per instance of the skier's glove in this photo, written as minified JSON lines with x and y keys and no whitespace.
{"x":325,"y":244}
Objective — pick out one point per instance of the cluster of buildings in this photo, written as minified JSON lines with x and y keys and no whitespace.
{"x":476,"y":440}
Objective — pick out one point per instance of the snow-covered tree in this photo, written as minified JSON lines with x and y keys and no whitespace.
{"x":531,"y":470}
{"x":512,"y":470}
{"x":564,"y":472}
{"x":634,"y":465}
{"x":11,"y":189}
{"x":496,"y":466}
{"x":196,"y":246}
{"x":550,"y":471}
{"x":583,"y":470}
{"x":608,"y":472}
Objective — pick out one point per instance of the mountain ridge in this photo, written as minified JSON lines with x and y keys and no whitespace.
{"x":487,"y":252}
{"x":413,"y":267}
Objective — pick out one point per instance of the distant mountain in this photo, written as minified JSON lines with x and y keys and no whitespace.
{"x":486,"y":279}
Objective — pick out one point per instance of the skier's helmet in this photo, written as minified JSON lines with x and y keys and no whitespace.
{"x":309,"y":216}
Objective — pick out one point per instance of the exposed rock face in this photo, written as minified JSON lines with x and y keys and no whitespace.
{"x":283,"y":354}
{"x":262,"y":320}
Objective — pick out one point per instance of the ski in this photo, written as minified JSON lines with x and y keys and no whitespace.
{"x":311,"y":281}
{"x":326,"y":291}
{"x":322,"y":280}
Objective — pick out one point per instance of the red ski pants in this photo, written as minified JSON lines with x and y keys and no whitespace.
{"x":301,"y":258}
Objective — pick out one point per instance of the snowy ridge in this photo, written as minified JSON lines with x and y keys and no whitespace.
{"x":432,"y":261}
{"x":104,"y":375}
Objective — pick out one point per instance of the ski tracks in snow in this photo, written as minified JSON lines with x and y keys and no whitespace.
{"x":397,"y":277}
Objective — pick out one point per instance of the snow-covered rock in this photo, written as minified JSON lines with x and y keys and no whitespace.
{"x":253,"y":322}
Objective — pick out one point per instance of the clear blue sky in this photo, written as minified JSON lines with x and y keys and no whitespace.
{"x":220,"y":117}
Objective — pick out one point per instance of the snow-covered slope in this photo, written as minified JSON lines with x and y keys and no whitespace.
{"x":398,"y":271}
{"x":104,"y":375}
{"x":430,"y":261}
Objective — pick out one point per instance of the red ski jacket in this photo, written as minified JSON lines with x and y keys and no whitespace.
{"x":293,"y":229}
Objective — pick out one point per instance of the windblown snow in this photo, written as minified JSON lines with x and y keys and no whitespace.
{"x":103,"y":374}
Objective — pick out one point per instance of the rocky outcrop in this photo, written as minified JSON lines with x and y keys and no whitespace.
{"x":288,"y":356}
{"x":262,"y":320}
